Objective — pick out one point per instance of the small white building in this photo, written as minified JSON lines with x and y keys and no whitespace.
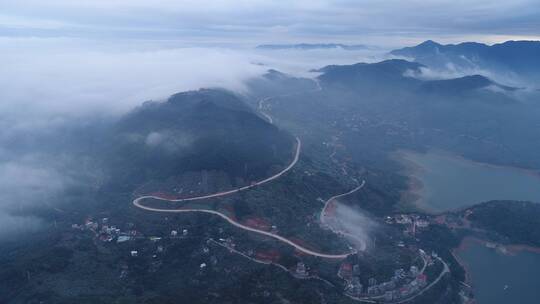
{"x":123,"y":238}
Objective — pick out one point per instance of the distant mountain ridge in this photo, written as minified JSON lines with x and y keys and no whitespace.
{"x":391,"y":104}
{"x":274,"y":83}
{"x":312,"y":46}
{"x":391,"y":72}
{"x":401,"y":74}
{"x":466,"y":83}
{"x":386,"y":66}
{"x":512,"y":59}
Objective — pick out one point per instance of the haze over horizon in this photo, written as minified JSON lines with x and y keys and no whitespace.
{"x":225,"y":22}
{"x":130,"y":51}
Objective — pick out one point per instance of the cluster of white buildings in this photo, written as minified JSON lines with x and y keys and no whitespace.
{"x":105,"y":232}
{"x":401,"y":285}
{"x":174,"y":233}
{"x":412,"y":222}
{"x":301,"y":270}
{"x":408,"y":219}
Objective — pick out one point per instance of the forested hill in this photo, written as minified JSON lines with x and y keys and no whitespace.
{"x":517,"y":221}
{"x":210,"y":130}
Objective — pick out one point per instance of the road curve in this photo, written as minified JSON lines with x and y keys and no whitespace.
{"x":333,"y":229}
{"x":445,"y":270}
{"x":137,"y":203}
{"x":228,"y":192}
{"x":321,"y":216}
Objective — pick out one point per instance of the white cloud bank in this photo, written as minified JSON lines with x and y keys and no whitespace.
{"x":77,"y":76}
{"x":71,"y":77}
{"x":26,"y":181}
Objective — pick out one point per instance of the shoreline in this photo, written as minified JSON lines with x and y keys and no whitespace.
{"x":416,"y":193}
{"x":507,"y":250}
{"x":450,"y":155}
{"x":409,"y":168}
{"x":463,"y":245}
{"x":531,"y":172}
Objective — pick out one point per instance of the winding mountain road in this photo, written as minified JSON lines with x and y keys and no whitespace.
{"x":322,"y":217}
{"x":445,"y":270}
{"x":137,"y":203}
{"x":327,"y":203}
{"x":229,"y":192}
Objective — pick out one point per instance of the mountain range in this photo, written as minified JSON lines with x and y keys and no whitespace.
{"x":391,"y":106}
{"x":511,"y":61}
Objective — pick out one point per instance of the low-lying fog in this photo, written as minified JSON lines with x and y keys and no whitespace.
{"x":50,"y":85}
{"x":355,"y":225}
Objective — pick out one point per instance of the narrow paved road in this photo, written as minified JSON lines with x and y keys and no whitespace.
{"x":445,"y":270}
{"x":373,"y":299}
{"x":265,"y":99}
{"x":228,"y":192}
{"x":322,"y":218}
{"x":322,"y":215}
{"x":137,"y":203}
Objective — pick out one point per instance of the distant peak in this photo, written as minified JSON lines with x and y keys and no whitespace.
{"x":429,"y":43}
{"x":464,"y":84}
{"x":273,"y":71}
{"x":427,"y":46}
{"x":477,"y":77}
{"x":274,"y":74}
{"x":400,"y":63}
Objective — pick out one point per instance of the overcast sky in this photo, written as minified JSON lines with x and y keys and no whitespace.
{"x":265,"y":21}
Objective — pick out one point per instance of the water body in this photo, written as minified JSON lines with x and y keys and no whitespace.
{"x":445,"y":182}
{"x":501,"y":279}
